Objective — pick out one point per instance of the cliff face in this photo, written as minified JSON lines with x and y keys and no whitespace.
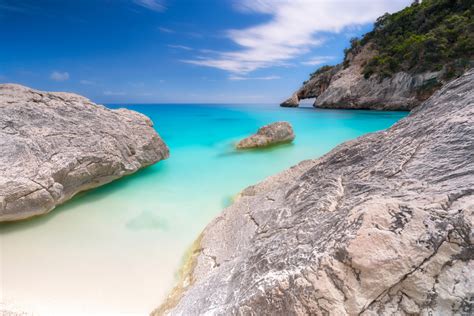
{"x":54,"y":145}
{"x":381,"y":225}
{"x":401,"y":62}
{"x":347,"y":88}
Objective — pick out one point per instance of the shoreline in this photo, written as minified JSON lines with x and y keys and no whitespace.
{"x":227,"y":274}
{"x":147,"y":215}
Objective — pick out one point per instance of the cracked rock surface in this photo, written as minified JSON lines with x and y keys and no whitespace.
{"x":381,"y":225}
{"x":54,"y":145}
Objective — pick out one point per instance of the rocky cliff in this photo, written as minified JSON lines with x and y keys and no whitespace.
{"x":401,"y":62}
{"x":342,"y":87}
{"x":382,"y":225}
{"x":54,"y":145}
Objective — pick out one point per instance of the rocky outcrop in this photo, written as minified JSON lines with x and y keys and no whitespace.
{"x":291,"y":102}
{"x":54,"y":145}
{"x":401,"y":62}
{"x":381,"y":225}
{"x":268,"y":135}
{"x":345,"y":87}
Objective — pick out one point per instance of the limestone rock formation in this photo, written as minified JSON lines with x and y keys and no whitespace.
{"x":292,"y":102}
{"x":268,"y":135}
{"x":381,"y":225}
{"x":54,"y":145}
{"x":401,"y":62}
{"x":346,"y":88}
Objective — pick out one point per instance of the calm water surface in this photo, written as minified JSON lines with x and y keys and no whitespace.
{"x":116,"y":249}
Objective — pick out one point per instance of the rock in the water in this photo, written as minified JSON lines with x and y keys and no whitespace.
{"x":268,"y":135}
{"x":54,"y":145}
{"x":381,"y":225}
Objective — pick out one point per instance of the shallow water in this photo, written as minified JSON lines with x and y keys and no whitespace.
{"x":116,"y":249}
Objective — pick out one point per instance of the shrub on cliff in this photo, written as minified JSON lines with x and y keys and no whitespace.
{"x":423,"y":37}
{"x":428,"y":36}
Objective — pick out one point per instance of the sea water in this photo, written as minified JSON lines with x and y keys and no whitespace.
{"x":116,"y":249}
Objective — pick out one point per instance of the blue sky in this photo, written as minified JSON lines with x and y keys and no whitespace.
{"x":178,"y":51}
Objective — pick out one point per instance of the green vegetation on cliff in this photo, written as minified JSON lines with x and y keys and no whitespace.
{"x":428,"y":36}
{"x":319,"y":71}
{"x":423,"y":37}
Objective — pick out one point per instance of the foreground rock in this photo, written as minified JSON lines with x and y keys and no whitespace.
{"x":268,"y":135}
{"x":381,"y":225}
{"x":54,"y":145}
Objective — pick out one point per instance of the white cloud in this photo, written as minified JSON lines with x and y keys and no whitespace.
{"x":254,"y":78}
{"x":59,"y":76}
{"x":318,"y":60}
{"x":113,"y":93}
{"x":295,"y":26}
{"x":154,"y":5}
{"x":180,"y":47}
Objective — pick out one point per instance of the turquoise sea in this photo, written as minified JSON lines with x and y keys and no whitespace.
{"x":116,"y":249}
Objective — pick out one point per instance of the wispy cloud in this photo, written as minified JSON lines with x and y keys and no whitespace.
{"x":294,"y":28}
{"x":318,"y":60}
{"x":179,"y":47}
{"x":87,"y":82}
{"x":254,"y":78}
{"x":165,"y":30}
{"x":59,"y":76}
{"x":10,"y":7}
{"x":114,"y":93}
{"x":18,"y":7}
{"x":145,"y":94}
{"x":154,"y":5}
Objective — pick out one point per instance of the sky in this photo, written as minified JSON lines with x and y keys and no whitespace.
{"x":178,"y":51}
